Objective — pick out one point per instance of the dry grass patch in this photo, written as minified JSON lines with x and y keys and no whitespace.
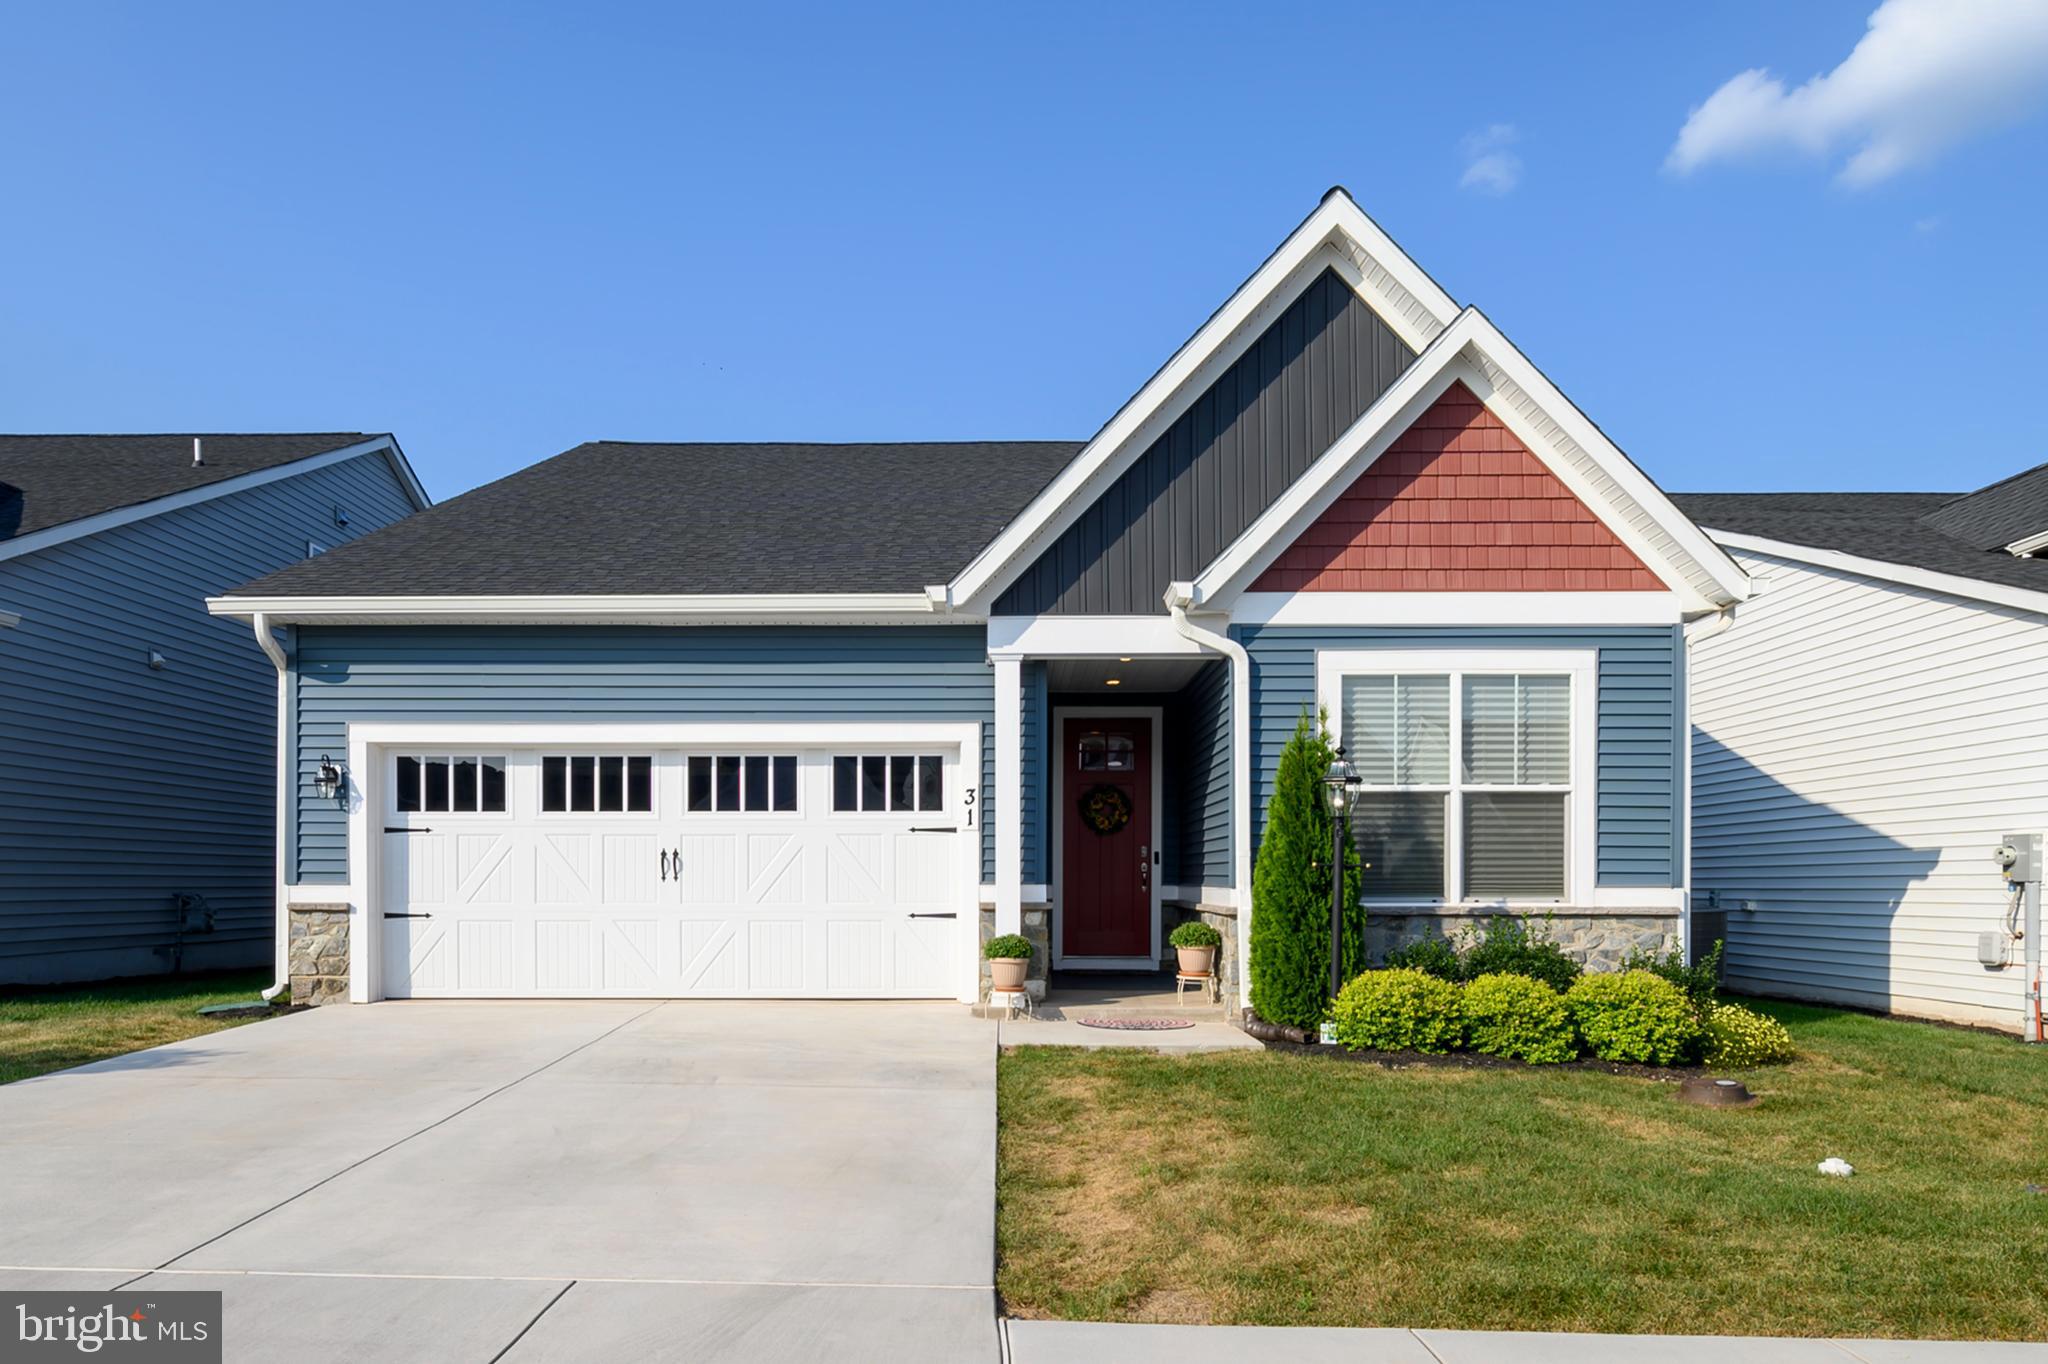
{"x":54,"y":1029}
{"x":1271,"y":1188}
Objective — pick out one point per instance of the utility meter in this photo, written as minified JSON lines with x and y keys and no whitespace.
{"x":2019,"y":857}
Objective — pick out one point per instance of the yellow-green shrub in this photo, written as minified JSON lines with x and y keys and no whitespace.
{"x":1401,"y":1010}
{"x":1634,"y":1016}
{"x":1515,"y":1015}
{"x":1742,"y":1037}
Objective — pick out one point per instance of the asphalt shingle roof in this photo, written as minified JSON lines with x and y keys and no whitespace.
{"x":614,"y":517}
{"x":48,"y":481}
{"x":1894,"y":528}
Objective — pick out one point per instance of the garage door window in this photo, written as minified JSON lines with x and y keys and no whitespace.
{"x":733,"y":782}
{"x":899,"y":782}
{"x":450,"y":784}
{"x":597,"y":784}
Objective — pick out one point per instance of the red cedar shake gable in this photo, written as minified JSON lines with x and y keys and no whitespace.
{"x":1458,"y":504}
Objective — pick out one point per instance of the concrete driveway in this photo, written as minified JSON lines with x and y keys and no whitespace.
{"x":532,"y":1181}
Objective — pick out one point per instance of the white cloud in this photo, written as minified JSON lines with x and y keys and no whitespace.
{"x":1490,"y":167}
{"x":1927,"y":75}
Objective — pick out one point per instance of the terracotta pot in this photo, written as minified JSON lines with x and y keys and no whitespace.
{"x":1196,"y":960}
{"x":1007,"y":973}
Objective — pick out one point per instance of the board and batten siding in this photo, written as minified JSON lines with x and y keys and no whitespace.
{"x":122,"y":786}
{"x":621,"y":674}
{"x":1240,"y":444}
{"x":1638,"y":793}
{"x":1858,"y":748}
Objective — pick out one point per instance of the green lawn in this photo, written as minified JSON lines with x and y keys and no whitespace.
{"x":46,"y":1030}
{"x":1268,"y":1188}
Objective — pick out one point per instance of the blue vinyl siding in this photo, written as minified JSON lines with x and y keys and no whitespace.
{"x":1037,"y":775}
{"x":1638,"y":783}
{"x":121,"y":786}
{"x":623,"y":674}
{"x":1198,"y":780}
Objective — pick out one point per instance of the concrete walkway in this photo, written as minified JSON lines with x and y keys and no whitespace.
{"x":1078,"y":1342}
{"x":532,"y":1182}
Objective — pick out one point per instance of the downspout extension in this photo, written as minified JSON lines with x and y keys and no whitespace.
{"x":1180,"y":599}
{"x":275,"y":654}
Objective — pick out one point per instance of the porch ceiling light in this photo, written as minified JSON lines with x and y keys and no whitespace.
{"x":1112,"y":681}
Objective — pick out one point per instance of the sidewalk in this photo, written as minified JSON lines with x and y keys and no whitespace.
{"x":1089,"y":1342}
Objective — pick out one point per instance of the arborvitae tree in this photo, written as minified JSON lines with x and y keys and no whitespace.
{"x":1290,"y":938}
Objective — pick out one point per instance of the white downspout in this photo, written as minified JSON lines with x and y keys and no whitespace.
{"x":1180,"y":598}
{"x":279,"y":966}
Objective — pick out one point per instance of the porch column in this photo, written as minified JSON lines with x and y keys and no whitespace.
{"x":1008,"y":804}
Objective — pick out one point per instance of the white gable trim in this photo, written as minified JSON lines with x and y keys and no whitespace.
{"x":1339,"y":235}
{"x":227,"y":487}
{"x":1927,"y":579}
{"x":1472,"y":351}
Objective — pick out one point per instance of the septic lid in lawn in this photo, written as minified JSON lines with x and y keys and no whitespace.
{"x":1138,"y":1024}
{"x":1717,"y":1093}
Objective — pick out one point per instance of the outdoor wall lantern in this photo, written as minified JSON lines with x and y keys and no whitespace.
{"x":327,"y":781}
{"x":1337,"y":784}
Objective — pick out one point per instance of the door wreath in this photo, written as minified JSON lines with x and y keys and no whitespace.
{"x":1105,"y":809}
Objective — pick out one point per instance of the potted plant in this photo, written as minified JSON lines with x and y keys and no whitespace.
{"x":1195,"y":943}
{"x":1009,"y":957}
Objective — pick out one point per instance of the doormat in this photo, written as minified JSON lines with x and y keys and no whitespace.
{"x":1138,"y":1024}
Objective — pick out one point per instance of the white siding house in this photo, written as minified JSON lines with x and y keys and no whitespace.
{"x":1863,"y":734}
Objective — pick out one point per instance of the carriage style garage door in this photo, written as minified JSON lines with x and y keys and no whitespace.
{"x":769,"y":870}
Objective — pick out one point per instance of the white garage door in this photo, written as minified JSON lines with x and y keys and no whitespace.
{"x":773,"y":871}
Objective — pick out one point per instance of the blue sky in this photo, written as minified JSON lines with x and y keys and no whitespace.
{"x":502,"y":230}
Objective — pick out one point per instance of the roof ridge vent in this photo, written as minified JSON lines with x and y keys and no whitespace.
{"x":198,"y":453}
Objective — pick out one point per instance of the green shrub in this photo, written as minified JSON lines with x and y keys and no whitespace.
{"x":1634,"y":1016}
{"x":1510,"y":1015}
{"x":1701,"y":982}
{"x":1402,"y":1010}
{"x":1007,"y":945}
{"x":1290,"y":929}
{"x":1431,"y":955}
{"x":1509,"y":948}
{"x":1742,"y":1037}
{"x":1195,"y":933}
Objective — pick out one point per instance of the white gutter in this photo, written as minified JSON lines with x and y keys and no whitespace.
{"x":1180,"y":599}
{"x":575,"y":608}
{"x":280,"y":966}
{"x":2028,"y":546}
{"x":2026,"y":599}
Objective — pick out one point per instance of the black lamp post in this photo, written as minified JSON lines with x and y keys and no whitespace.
{"x":1337,"y":784}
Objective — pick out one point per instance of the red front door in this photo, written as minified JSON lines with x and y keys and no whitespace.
{"x":1106,"y":848}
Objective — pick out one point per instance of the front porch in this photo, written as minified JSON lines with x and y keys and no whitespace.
{"x":1120,"y":769}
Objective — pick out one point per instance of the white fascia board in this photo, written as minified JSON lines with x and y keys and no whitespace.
{"x":1338,"y":233}
{"x":227,"y":487}
{"x":1087,"y":637}
{"x":579,"y":609}
{"x":518,"y":733}
{"x":1462,"y":354}
{"x":1951,"y":584}
{"x":1456,"y":608}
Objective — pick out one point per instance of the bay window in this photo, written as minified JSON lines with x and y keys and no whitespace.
{"x":1474,"y":771}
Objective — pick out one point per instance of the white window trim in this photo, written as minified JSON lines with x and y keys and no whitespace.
{"x":424,"y":752}
{"x":652,"y":812}
{"x":1582,"y":806}
{"x":890,"y":755}
{"x":742,"y":754}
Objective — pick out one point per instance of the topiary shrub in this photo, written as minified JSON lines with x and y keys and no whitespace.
{"x":1509,"y":1015}
{"x":1290,"y":932}
{"x":1743,"y":1037}
{"x":1431,"y":955}
{"x":1509,"y":948}
{"x":1402,"y":1010}
{"x":1634,"y":1016}
{"x":1194,"y":933}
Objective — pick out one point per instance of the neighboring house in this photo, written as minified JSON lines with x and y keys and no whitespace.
{"x":1865,"y":730}
{"x":702,"y":720}
{"x":138,"y":733}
